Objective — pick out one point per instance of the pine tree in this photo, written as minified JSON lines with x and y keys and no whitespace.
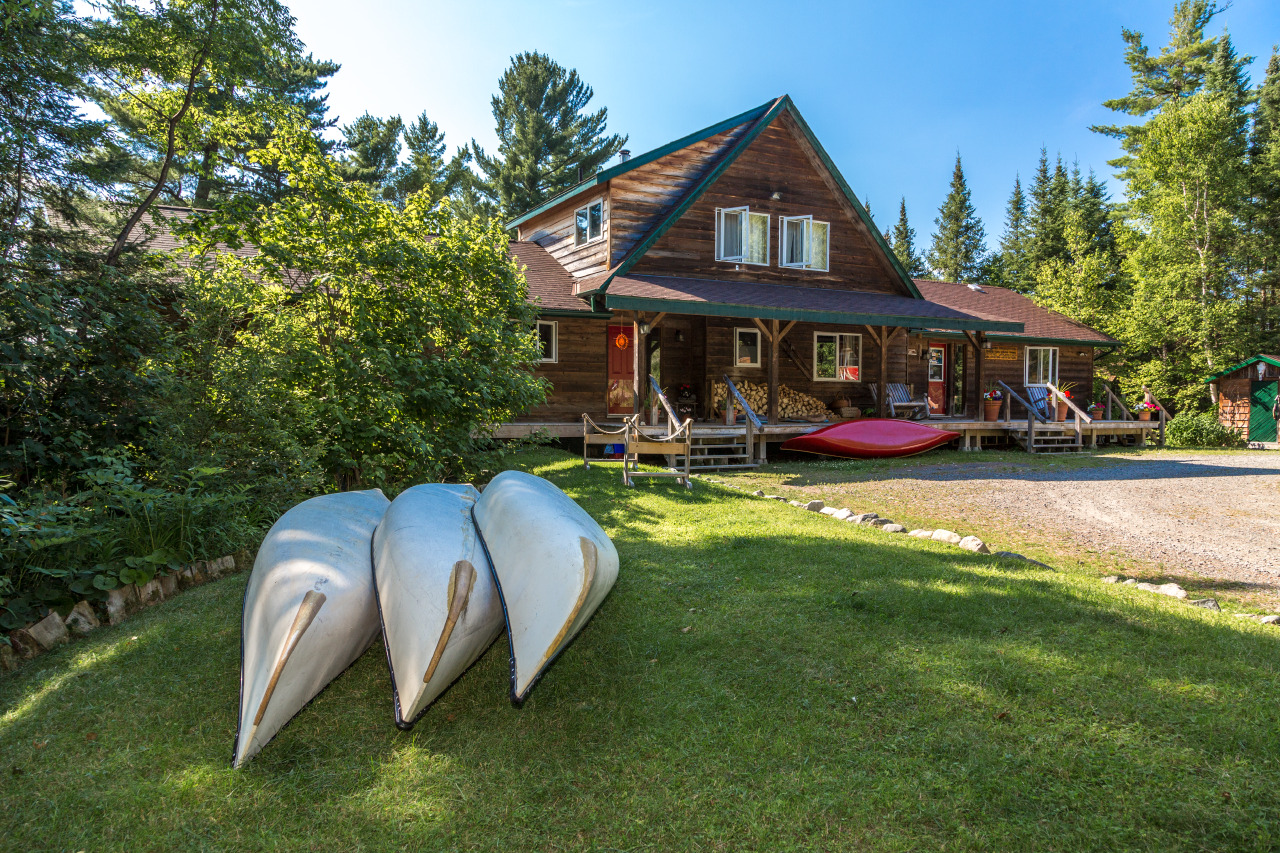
{"x":1177,"y":72}
{"x":373,"y":151}
{"x":903,"y":242}
{"x":1264,"y":180}
{"x":1015,"y":262}
{"x":1050,"y":193}
{"x":545,"y":139}
{"x":959,"y":244}
{"x":427,"y":170}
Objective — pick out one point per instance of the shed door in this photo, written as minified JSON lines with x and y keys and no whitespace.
{"x":1262,"y":426}
{"x":622,"y":369}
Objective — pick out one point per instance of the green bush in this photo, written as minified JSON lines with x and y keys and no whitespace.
{"x":1202,"y":429}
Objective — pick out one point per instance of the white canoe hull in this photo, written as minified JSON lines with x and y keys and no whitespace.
{"x":554,"y":566}
{"x":309,"y":610}
{"x":439,"y":605}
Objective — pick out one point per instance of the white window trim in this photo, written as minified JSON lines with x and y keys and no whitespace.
{"x":737,"y":363}
{"x":745,"y":228}
{"x":555,"y":341}
{"x":807,"y":237}
{"x":587,"y":207}
{"x":1026,"y":365}
{"x":837,"y":336}
{"x":826,"y":261}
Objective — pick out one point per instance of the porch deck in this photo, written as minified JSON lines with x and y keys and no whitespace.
{"x":973,"y":433}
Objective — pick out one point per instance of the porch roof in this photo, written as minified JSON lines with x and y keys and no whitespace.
{"x":709,"y":297}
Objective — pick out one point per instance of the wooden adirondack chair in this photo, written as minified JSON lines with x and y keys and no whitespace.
{"x":900,"y":398}
{"x":1038,"y":396}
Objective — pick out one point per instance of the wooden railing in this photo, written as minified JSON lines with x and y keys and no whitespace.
{"x":1164,"y":413}
{"x":1032,"y":414}
{"x":673,"y":420}
{"x":1081,"y":418}
{"x":1112,"y":398}
{"x":753,"y":422}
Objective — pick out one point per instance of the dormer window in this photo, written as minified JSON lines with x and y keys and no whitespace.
{"x":805,"y":243}
{"x":588,"y":223}
{"x":742,"y":237}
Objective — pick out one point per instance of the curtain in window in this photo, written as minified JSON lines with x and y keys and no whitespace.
{"x":731,"y":234}
{"x":758,"y":238}
{"x":795,"y":242}
{"x":818,"y":245}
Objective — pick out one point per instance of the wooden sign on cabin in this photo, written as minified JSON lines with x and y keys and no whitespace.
{"x":1003,"y":353}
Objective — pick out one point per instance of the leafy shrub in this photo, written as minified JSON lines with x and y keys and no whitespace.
{"x":1202,"y":429}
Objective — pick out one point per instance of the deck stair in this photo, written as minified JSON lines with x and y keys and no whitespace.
{"x":1048,"y":442}
{"x":731,"y":447}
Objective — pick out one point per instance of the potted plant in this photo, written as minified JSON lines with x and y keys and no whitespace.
{"x":1063,"y":408}
{"x":1097,"y":411}
{"x":1145,"y":410}
{"x":992,"y":399}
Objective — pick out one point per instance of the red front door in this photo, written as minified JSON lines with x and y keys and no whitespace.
{"x":937,"y":379}
{"x":622,"y":370}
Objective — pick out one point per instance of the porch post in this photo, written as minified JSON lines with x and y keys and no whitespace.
{"x":775,"y":341}
{"x":641,"y":365}
{"x":979,"y":374}
{"x":882,"y":391}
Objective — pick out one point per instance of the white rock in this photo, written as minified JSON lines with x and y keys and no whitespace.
{"x":894,"y":528}
{"x":121,"y":601}
{"x":49,"y":632}
{"x":169,"y":585}
{"x":814,"y":506}
{"x":1270,"y":620}
{"x":1170,"y":589}
{"x":795,"y":503}
{"x":842,"y":514}
{"x":1111,"y":579}
{"x":946,"y":536}
{"x":759,"y":493}
{"x":1206,"y":603}
{"x":864,"y":518}
{"x":1129,"y":582}
{"x":150,"y":593}
{"x":974,"y":544}
{"x":921,"y":534}
{"x":81,"y":620}
{"x":880,"y":522}
{"x":827,"y":510}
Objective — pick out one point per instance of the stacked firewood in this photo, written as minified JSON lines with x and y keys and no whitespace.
{"x":791,"y":404}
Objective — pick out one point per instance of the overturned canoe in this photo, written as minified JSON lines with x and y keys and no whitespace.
{"x":436,"y":596}
{"x":871,"y":438}
{"x":553,"y":563}
{"x":309,"y":610}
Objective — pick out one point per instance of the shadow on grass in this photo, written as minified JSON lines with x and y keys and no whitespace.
{"x":758,"y":679}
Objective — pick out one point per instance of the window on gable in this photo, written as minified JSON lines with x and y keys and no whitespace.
{"x":588,"y":223}
{"x":837,"y":357}
{"x":742,"y":236}
{"x":746,"y":347}
{"x":548,"y":338}
{"x":805,"y":243}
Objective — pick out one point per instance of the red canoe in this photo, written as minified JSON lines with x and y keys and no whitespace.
{"x":870,"y":438}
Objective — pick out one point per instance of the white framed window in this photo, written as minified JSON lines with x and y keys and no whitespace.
{"x":549,"y":338}
{"x":1041,"y":366}
{"x":746,"y":347}
{"x":742,"y":237}
{"x":837,"y":357}
{"x":805,"y":243}
{"x":588,"y":223}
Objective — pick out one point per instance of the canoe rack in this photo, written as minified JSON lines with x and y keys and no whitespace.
{"x":675,"y":443}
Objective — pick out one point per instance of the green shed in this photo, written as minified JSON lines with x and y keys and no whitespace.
{"x":1246,"y":393}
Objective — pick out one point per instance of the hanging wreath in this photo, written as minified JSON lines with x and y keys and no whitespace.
{"x":622,"y":341}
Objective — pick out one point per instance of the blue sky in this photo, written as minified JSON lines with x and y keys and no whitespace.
{"x":893,"y":90}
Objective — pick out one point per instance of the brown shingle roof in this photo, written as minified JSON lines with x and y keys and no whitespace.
{"x":780,"y":301}
{"x":549,"y":282}
{"x":1004,"y":304}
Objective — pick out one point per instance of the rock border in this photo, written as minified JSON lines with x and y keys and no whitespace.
{"x":1173,"y":590}
{"x":47,"y":634}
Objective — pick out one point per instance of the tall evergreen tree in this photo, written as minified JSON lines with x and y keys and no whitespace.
{"x":546,"y":140}
{"x":372,"y":151}
{"x":427,"y":169}
{"x":1264,"y":180}
{"x":959,"y":243}
{"x":1050,"y":195}
{"x":1178,"y":71}
{"x":1015,"y":261}
{"x":903,"y":242}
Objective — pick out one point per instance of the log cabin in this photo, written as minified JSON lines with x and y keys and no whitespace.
{"x":739,"y":256}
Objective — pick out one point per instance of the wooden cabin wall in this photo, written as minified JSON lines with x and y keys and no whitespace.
{"x":579,"y":379}
{"x":681,"y":361}
{"x":554,"y":232}
{"x":773,"y":163}
{"x":719,"y":361}
{"x":1233,"y":400}
{"x":641,"y":196}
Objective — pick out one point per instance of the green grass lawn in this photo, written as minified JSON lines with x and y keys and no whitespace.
{"x":761,"y":678}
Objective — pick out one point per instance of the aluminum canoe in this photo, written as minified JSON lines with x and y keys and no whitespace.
{"x":309,"y":610}
{"x":553,"y":564}
{"x":439,"y":605}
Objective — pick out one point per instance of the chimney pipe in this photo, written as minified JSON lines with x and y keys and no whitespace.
{"x":624,"y":155}
{"x":579,"y":173}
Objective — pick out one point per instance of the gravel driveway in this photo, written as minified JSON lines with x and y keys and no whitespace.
{"x":1209,"y":514}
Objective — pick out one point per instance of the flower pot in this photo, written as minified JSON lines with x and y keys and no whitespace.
{"x":1063,"y":410}
{"x":1144,"y":416}
{"x":1097,"y":412}
{"x":991,"y":409}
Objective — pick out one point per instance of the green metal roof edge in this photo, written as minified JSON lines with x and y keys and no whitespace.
{"x":639,"y":160}
{"x":586,"y":313}
{"x":637,"y":251}
{"x":853,"y":199}
{"x":1026,"y":339}
{"x":725,"y":309}
{"x":1234,"y":368}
